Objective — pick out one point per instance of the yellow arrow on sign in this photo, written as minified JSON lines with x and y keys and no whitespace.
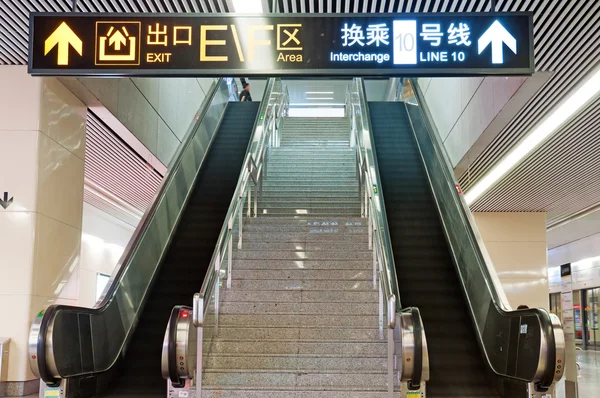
{"x":63,"y":36}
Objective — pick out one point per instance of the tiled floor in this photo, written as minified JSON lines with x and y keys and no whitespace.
{"x":588,"y":378}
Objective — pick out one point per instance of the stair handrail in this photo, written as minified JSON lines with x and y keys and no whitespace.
{"x":551,"y":361}
{"x":399,"y":322}
{"x":252,"y":171}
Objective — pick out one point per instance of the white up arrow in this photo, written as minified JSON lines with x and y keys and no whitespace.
{"x":497,"y":34}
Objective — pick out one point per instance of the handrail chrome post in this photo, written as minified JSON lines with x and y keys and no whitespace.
{"x":198,"y":321}
{"x":229,"y":260}
{"x":240,"y":221}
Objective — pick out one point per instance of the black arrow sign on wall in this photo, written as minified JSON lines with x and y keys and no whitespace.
{"x":6,"y":202}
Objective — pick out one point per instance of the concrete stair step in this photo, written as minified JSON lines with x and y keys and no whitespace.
{"x":298,"y":296}
{"x":294,"y":363}
{"x":229,"y":307}
{"x":271,"y":191}
{"x":320,"y":204}
{"x":225,"y":392}
{"x":275,"y":265}
{"x":305,"y":246}
{"x":352,"y":349}
{"x":308,"y":274}
{"x":304,"y":285}
{"x":335,"y":230}
{"x":298,"y":380}
{"x":302,"y":264}
{"x":264,"y":334}
{"x":286,"y":221}
{"x":309,"y":211}
{"x":301,"y":237}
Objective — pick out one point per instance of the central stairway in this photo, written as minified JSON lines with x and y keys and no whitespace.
{"x":301,"y":316}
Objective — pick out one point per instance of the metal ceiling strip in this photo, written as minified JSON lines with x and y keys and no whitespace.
{"x":580,"y":42}
{"x":126,"y":160}
{"x":549,"y":156}
{"x":557,"y":21}
{"x":14,"y":46}
{"x":213,"y":7}
{"x":219,"y":6}
{"x":17,"y":30}
{"x":13,"y":57}
{"x":97,"y":128}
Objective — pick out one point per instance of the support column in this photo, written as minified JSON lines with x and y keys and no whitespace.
{"x":516,"y":243}
{"x":42,"y":148}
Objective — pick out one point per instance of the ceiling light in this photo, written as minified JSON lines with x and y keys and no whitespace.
{"x":248,"y":6}
{"x":319,"y":98}
{"x":559,"y":116}
{"x":320,"y":92}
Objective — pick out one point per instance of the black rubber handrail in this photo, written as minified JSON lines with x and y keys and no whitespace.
{"x":546,"y":327}
{"x":42,"y":346}
{"x":103,"y":306}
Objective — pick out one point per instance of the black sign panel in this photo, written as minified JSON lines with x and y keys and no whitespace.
{"x":281,"y":44}
{"x":565,"y":270}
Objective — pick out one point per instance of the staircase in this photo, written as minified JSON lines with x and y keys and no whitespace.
{"x":301,"y":316}
{"x":313,"y":172}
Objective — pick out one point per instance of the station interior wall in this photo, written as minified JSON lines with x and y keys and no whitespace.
{"x":516,"y":243}
{"x":42,"y":130}
{"x":469,"y":112}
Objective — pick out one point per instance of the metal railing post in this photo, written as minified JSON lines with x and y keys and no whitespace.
{"x":240,"y":228}
{"x":249,"y":202}
{"x":390,"y":362}
{"x":229,"y":260}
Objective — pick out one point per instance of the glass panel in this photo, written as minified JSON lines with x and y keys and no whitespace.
{"x":592,"y":319}
{"x":511,"y":340}
{"x":109,"y":325}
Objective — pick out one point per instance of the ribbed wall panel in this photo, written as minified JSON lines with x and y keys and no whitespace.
{"x":113,"y":166}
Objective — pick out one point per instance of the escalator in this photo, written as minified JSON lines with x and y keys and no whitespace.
{"x":183,"y":269}
{"x":426,"y":274}
{"x":114,"y":349}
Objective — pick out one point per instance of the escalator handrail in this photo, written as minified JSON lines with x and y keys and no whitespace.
{"x":485,"y":264}
{"x":45,"y":323}
{"x":256,"y":147}
{"x":368,"y":161}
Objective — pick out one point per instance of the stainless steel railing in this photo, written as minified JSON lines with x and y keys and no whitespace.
{"x":205,"y":310}
{"x":400,"y":324}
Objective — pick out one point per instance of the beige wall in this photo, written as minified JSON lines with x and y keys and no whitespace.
{"x":42,"y":147}
{"x":516,"y":243}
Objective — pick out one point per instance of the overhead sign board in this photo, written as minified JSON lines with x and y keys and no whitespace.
{"x":456,"y":44}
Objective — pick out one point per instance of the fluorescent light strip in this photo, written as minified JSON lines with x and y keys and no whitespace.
{"x":320,"y":92}
{"x":558,"y":117}
{"x":319,"y":98}
{"x":248,"y":6}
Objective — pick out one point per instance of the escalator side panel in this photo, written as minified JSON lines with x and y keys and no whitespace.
{"x":184,"y":268}
{"x":427,"y":278}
